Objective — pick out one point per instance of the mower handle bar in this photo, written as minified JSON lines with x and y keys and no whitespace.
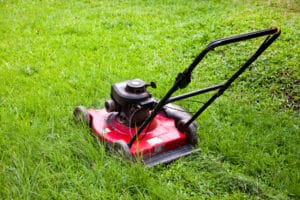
{"x":233,"y":39}
{"x":184,"y":78}
{"x":194,"y":93}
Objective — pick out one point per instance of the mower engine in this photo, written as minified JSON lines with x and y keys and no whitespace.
{"x":132,"y":102}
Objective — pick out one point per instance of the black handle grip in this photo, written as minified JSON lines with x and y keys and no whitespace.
{"x":238,"y":38}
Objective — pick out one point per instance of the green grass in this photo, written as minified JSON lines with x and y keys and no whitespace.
{"x":55,"y":55}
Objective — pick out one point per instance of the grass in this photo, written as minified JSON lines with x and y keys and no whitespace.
{"x":55,"y":55}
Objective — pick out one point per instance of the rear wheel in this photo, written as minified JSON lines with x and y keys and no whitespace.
{"x":190,"y":132}
{"x":81,"y":115}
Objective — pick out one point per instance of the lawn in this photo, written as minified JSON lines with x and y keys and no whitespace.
{"x":55,"y":55}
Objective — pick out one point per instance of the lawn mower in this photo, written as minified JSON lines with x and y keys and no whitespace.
{"x":139,"y":127}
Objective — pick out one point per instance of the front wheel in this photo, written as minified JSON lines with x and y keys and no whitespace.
{"x":81,"y":115}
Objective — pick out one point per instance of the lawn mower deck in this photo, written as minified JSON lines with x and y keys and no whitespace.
{"x":137,"y":126}
{"x":160,"y":142}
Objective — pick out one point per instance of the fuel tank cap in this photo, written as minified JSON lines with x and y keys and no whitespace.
{"x":136,"y":86}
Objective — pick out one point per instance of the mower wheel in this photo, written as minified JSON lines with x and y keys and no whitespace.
{"x":190,"y":132}
{"x":81,"y":115}
{"x":191,"y":135}
{"x":121,"y":149}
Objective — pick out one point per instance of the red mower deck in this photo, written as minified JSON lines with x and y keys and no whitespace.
{"x":161,"y":137}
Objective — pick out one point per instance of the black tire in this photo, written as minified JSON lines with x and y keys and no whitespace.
{"x":81,"y":115}
{"x":190,"y":132}
{"x":120,"y":148}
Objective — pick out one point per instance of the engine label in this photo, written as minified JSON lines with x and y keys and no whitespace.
{"x":155,"y":140}
{"x":105,"y":131}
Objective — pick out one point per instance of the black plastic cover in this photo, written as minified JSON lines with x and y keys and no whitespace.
{"x":120,"y":94}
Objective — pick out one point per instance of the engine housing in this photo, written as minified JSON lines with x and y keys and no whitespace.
{"x":132,"y":101}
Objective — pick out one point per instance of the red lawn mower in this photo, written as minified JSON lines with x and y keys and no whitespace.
{"x":137,"y":126}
